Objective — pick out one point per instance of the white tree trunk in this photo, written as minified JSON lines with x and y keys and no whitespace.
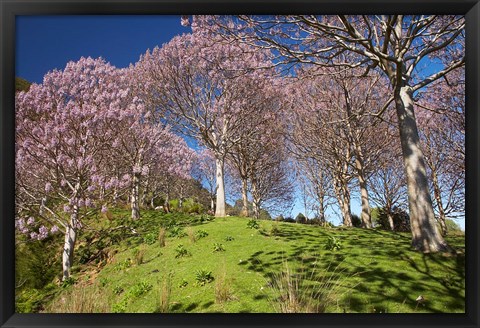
{"x":359,"y":166}
{"x":69,"y":245}
{"x":425,"y":235}
{"x":220,"y":188}
{"x":212,"y":204}
{"x":244,"y":198}
{"x":134,"y":201}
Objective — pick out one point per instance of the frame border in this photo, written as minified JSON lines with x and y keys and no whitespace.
{"x":10,"y":8}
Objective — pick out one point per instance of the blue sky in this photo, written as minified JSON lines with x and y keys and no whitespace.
{"x":44,"y":43}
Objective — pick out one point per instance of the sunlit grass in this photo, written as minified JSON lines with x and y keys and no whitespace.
{"x":373,"y":271}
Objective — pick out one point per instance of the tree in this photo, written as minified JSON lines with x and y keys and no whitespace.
{"x":387,"y":179}
{"x":63,"y":133}
{"x":205,"y":173}
{"x":395,"y":45}
{"x":196,"y":83}
{"x":441,"y":117}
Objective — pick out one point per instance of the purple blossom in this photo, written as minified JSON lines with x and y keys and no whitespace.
{"x":42,"y":233}
{"x":31,"y":221}
{"x":54,"y":229}
{"x":104,"y":209}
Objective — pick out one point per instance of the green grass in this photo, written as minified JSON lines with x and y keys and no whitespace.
{"x":372,"y":271}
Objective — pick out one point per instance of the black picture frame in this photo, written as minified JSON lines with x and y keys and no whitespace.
{"x":10,"y":8}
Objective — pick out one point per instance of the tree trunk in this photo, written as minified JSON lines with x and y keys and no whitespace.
{"x":220,"y":188}
{"x":244,"y":198}
{"x":166,"y":204}
{"x":134,"y":201}
{"x":69,"y":245}
{"x":438,"y":197}
{"x":212,"y":204}
{"x":425,"y":235}
{"x":359,"y":166}
{"x":346,"y":211}
{"x":256,"y":210}
{"x":343,"y":198}
{"x":321,"y":211}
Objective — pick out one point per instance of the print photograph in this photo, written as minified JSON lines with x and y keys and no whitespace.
{"x":269,"y":164}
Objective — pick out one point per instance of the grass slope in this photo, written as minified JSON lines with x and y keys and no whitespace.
{"x":267,"y":270}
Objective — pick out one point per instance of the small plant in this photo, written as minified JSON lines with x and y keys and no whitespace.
{"x":191,"y":234}
{"x":253,"y":224}
{"x":201,"y":234}
{"x":123,"y":265}
{"x":203,"y":277}
{"x":138,"y":255}
{"x":103,"y":281}
{"x":117,"y":290}
{"x":183,"y":284}
{"x":333,"y":244}
{"x":181,"y":251}
{"x":177,"y":231}
{"x":70,"y":281}
{"x":161,"y":236}
{"x":120,"y":307}
{"x":206,"y":218}
{"x":229,"y":238}
{"x":140,"y":288}
{"x":274,"y":231}
{"x":149,"y":238}
{"x":217,"y":247}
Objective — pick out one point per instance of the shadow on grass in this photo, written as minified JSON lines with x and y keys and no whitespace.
{"x":381,"y":271}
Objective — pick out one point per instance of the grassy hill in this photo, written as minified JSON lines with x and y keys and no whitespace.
{"x":225,"y":265}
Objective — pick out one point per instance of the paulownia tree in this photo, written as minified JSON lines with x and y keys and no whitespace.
{"x":398,"y":46}
{"x":63,"y":136}
{"x":196,"y":82}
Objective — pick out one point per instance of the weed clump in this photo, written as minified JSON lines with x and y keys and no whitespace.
{"x":203,"y":277}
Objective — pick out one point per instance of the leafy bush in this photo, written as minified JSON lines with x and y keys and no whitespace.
{"x":140,"y":288}
{"x":70,"y":281}
{"x":123,"y":265}
{"x":120,"y":307}
{"x":229,"y":238}
{"x":401,"y":219}
{"x":356,"y":221}
{"x":190,"y":206}
{"x":253,"y":224}
{"x":333,"y":244}
{"x":177,"y":231}
{"x":203,"y":277}
{"x":301,"y":218}
{"x":150,"y":238}
{"x":206,"y":218}
{"x":201,"y":234}
{"x":217,"y":247}
{"x":181,"y":251}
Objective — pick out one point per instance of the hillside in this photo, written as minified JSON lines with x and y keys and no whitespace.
{"x":279,"y":267}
